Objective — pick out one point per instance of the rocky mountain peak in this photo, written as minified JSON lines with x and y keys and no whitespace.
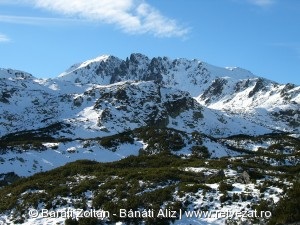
{"x":14,"y":74}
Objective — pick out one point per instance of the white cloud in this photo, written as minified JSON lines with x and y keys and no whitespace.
{"x":262,"y":3}
{"x":152,"y":20}
{"x":4,"y":38}
{"x":131,"y":16}
{"x":29,"y":20}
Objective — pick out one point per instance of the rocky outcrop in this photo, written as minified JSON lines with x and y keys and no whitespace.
{"x":243,"y":178}
{"x":144,"y":103}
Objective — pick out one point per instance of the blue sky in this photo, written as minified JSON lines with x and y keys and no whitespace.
{"x":45,"y":37}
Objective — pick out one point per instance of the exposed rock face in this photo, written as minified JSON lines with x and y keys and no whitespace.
{"x":243,"y":178}
{"x":143,"y":103}
{"x":215,"y":90}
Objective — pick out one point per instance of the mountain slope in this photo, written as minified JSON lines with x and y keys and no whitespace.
{"x":231,"y":90}
{"x":108,"y":96}
{"x":175,"y":134}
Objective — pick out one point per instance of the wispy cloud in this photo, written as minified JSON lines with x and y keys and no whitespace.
{"x":262,"y":3}
{"x":30,"y":20}
{"x":4,"y":38}
{"x":9,"y":2}
{"x":131,"y":16}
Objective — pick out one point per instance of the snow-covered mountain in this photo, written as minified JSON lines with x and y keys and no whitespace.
{"x":226,"y":94}
{"x":107,"y":96}
{"x":237,"y":136}
{"x":230,"y":90}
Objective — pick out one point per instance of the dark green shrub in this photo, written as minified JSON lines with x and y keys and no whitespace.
{"x":224,"y":187}
{"x":71,"y":221}
{"x":200,"y":152}
{"x":287,"y":210}
{"x":224,"y":198}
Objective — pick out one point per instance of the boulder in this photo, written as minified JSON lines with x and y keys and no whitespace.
{"x":243,"y":178}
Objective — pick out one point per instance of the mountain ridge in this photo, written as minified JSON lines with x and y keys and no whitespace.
{"x":148,"y":133}
{"x":231,"y":91}
{"x":107,"y":96}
